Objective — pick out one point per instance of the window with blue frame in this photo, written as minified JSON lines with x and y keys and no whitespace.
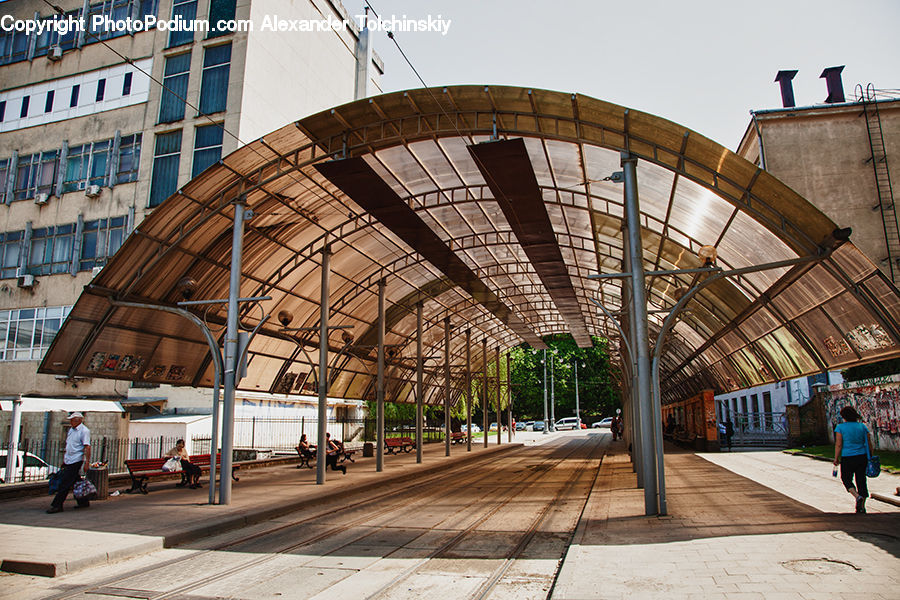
{"x":214,"y":82}
{"x":87,"y":164}
{"x":207,"y":147}
{"x":10,"y":251}
{"x":166,"y":156}
{"x":187,"y":10}
{"x":129,"y":158}
{"x":51,"y":250}
{"x":35,"y":174}
{"x":175,"y":85}
{"x":220,"y":10}
{"x":100,"y":239}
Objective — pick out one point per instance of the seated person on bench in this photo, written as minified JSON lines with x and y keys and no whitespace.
{"x":335,"y":450}
{"x":191,"y":471}
{"x":305,"y":450}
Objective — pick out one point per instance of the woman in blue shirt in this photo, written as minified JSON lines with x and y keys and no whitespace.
{"x":851,"y":452}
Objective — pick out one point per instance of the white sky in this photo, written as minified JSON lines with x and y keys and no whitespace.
{"x":701,"y":63}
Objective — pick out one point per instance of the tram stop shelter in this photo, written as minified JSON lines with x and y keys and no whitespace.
{"x":424,"y":231}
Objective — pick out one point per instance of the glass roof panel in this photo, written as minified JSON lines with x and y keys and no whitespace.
{"x":828,"y":341}
{"x":698,"y":212}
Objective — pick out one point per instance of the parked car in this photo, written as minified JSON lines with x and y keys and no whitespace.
{"x":520,"y":425}
{"x":529,"y":425}
{"x":605,"y":423}
{"x":567,"y":423}
{"x":35,"y":468}
{"x":475,"y":428}
{"x":537,"y":426}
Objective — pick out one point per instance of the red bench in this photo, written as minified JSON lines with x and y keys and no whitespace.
{"x":142,"y":470}
{"x":458,"y":437}
{"x":394,"y":444}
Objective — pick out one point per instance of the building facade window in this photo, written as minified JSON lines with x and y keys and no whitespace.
{"x":166,"y":156}
{"x":2,"y":110}
{"x":220,"y":10}
{"x":175,"y":85}
{"x":35,"y":174}
{"x":214,"y":83}
{"x":126,"y":84}
{"x":187,"y":10}
{"x":73,"y":98}
{"x":10,"y":251}
{"x":101,"y":90}
{"x":51,"y":250}
{"x":26,"y":333}
{"x":99,"y":240}
{"x":129,"y":158}
{"x":207,"y":147}
{"x":23,"y":112}
{"x":48,"y":103}
{"x":87,"y":164}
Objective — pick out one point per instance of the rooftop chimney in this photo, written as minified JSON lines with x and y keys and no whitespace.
{"x":787,"y":89}
{"x":832,"y":77}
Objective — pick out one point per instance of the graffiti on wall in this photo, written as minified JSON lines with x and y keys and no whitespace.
{"x":879,"y":406}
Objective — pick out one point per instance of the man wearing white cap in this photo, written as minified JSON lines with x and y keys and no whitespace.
{"x":78,"y":452}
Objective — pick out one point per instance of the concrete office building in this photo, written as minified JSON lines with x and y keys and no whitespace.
{"x":98,"y":127}
{"x":842,"y":153}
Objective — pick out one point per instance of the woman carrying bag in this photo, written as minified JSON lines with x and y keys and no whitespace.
{"x":851,"y":452}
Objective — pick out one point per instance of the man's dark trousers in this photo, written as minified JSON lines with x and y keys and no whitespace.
{"x":70,"y":474}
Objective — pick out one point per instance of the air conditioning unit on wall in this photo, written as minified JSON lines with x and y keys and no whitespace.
{"x":25,"y":281}
{"x":54,"y":53}
{"x":92,"y":191}
{"x":42,"y":199}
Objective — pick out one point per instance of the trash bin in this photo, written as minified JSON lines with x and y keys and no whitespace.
{"x":369,"y":449}
{"x":99,"y":476}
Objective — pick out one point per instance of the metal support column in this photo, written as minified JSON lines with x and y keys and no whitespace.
{"x":231,"y":352}
{"x":15,"y":423}
{"x":546,"y":430}
{"x":497,"y":388}
{"x":484,"y":392}
{"x":420,"y":389}
{"x":322,"y":448}
{"x":447,"y":386}
{"x":468,"y":395}
{"x":641,"y":334}
{"x":552,"y":397}
{"x":635,"y":412}
{"x":509,"y":414}
{"x":577,"y":403}
{"x":379,"y":383}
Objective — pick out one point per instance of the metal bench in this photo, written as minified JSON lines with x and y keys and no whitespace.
{"x":142,"y":470}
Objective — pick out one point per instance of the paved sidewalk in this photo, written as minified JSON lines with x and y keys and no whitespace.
{"x":726,"y":537}
{"x":804,"y":479}
{"x":36,"y":543}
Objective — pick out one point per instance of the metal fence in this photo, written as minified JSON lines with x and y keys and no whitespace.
{"x":36,"y":460}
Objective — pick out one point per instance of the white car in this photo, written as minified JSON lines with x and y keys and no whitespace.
{"x":606,"y":423}
{"x":567,"y":423}
{"x":475,"y":428}
{"x":35,"y":468}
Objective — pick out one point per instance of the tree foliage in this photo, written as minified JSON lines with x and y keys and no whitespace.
{"x":598,"y":393}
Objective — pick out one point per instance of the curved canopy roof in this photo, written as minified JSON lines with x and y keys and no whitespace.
{"x":500,"y":238}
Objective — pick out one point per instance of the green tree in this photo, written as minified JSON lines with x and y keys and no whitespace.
{"x":598,"y":393}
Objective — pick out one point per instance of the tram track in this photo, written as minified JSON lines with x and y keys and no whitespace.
{"x":370,"y":510}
